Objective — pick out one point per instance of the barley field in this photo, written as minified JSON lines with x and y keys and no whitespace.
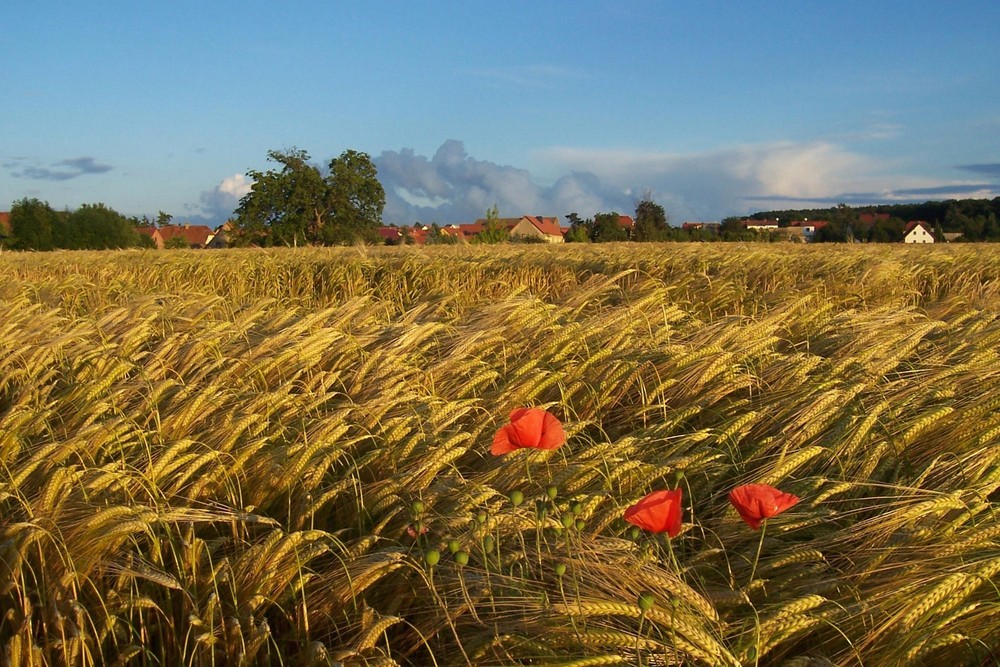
{"x":251,"y":457}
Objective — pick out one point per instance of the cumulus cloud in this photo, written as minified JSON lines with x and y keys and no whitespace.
{"x":742,"y":179}
{"x":217,"y":205}
{"x":63,"y":170}
{"x":453,"y":187}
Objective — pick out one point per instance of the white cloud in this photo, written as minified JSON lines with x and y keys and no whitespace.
{"x":217,"y":205}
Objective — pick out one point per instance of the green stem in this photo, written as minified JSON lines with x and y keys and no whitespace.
{"x":756,"y":558}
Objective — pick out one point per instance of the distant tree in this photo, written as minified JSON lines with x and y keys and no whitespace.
{"x":356,"y":200}
{"x":297,"y":204}
{"x":284,"y":207}
{"x":493,"y":231}
{"x":579,"y":230}
{"x":163,"y":219}
{"x":98,"y":227}
{"x":33,"y":224}
{"x":650,"y":221}
{"x":607,"y":228}
{"x":438,"y":236}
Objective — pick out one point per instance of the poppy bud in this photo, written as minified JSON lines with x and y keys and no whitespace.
{"x":481,"y":517}
{"x":418,"y":506}
{"x":552,"y":491}
{"x":560,"y":569}
{"x":462,"y":558}
{"x":454,"y":546}
{"x":568,"y":520}
{"x":488,"y":544}
{"x":580,"y":524}
{"x":432,"y":557}
{"x":516,"y":498}
{"x":577,"y":508}
{"x":646,"y":601}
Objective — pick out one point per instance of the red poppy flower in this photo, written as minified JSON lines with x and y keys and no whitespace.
{"x":529,"y":427}
{"x":756,"y":502}
{"x":659,"y":512}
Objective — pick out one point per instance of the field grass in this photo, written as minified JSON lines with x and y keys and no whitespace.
{"x":221,"y":458}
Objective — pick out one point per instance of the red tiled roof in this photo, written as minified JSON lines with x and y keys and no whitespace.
{"x":626,"y":222}
{"x":809,"y":223}
{"x":146,"y":231}
{"x":5,"y":224}
{"x":195,"y":235}
{"x":914,"y":223}
{"x":549,"y":226}
{"x":872,"y":218}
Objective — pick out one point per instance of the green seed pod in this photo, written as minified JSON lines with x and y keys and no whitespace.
{"x":432,"y":557}
{"x":481,"y":517}
{"x":552,"y":491}
{"x":580,"y":524}
{"x":568,"y":520}
{"x":488,"y":544}
{"x":560,"y":569}
{"x":646,"y":601}
{"x":634,"y":533}
{"x":516,"y":498}
{"x":417,"y":506}
{"x":462,"y":558}
{"x":454,"y":546}
{"x":577,"y":508}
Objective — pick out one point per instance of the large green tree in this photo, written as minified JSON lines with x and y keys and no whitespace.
{"x":650,"y":221}
{"x":607,"y":228}
{"x":98,"y":227}
{"x":34,"y":225}
{"x":356,"y":199}
{"x":297,"y":204}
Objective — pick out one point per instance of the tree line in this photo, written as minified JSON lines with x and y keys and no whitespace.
{"x":974,"y":219}
{"x":34,"y":225}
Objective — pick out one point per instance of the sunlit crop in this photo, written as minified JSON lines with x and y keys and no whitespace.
{"x":284,"y":457}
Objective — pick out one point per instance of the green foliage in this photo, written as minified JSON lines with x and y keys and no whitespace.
{"x":356,"y":199}
{"x":579,"y":230}
{"x":493,"y":230}
{"x":650,"y":221}
{"x":297,"y":205}
{"x":607,"y":228}
{"x":34,"y":225}
{"x":437,"y":236}
{"x":176,"y":243}
{"x":98,"y":227}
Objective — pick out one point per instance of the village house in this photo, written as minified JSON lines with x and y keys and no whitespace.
{"x":220,"y":237}
{"x":527,"y":227}
{"x":5,"y":230}
{"x":152,"y":233}
{"x":760,"y":225}
{"x":695,"y":226}
{"x":191,"y":236}
{"x":808,"y":227}
{"x":918,"y":231}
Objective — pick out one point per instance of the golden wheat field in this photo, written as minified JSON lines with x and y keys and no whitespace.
{"x":283,"y":457}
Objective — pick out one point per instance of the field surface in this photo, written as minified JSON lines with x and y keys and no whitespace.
{"x":283,"y":457}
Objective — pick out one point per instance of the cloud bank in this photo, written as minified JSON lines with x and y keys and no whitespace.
{"x":451,"y":186}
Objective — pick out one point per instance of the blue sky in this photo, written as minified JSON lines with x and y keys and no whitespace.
{"x":542,"y":108}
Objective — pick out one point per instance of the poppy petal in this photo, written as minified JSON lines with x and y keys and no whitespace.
{"x":552,"y":432}
{"x":526,"y":430}
{"x":501,"y":442}
{"x":658,"y":512}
